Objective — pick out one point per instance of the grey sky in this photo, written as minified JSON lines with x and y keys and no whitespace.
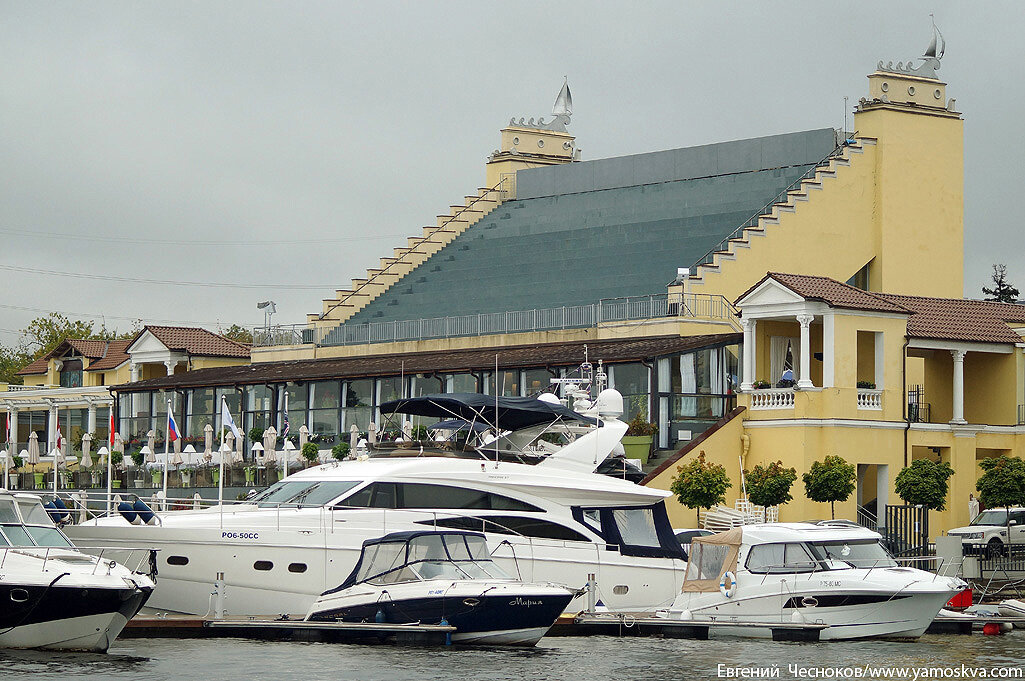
{"x":269,"y":122}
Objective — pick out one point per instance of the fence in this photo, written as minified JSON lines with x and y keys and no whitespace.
{"x":907,"y":530}
{"x":609,"y":310}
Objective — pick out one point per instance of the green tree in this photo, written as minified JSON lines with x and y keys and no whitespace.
{"x":770,"y":485}
{"x":830,"y":480}
{"x":11,"y":362}
{"x":925,"y":483}
{"x":1003,"y":482}
{"x":310,"y":452}
{"x":700,"y":484}
{"x":43,"y":334}
{"x":237,"y":333}
{"x":340,"y":450}
{"x":1002,"y":290}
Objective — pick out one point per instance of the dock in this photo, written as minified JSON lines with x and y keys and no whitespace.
{"x":286,"y":629}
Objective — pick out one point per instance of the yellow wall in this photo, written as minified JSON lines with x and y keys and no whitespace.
{"x":991,"y":388}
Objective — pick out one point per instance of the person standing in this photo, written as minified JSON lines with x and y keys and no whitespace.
{"x":973,"y":507}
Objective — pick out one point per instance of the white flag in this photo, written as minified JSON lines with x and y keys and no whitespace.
{"x":227,"y":421}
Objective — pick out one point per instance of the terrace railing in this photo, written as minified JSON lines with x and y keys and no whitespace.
{"x":606,"y":311}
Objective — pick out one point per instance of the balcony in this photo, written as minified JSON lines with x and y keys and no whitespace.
{"x":870,"y":399}
{"x":772,"y":398}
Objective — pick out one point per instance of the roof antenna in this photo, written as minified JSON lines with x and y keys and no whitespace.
{"x":497,"y":431}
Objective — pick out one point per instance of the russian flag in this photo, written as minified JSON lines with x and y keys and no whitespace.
{"x":172,"y":428}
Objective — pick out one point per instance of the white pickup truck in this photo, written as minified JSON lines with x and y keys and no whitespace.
{"x":993,"y":531}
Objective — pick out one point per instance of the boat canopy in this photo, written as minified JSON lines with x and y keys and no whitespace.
{"x":421,"y":555}
{"x":710,"y":558}
{"x":505,"y":413}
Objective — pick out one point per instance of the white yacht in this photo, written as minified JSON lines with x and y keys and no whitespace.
{"x":840,"y":576}
{"x":53,"y":595}
{"x":442,"y":577}
{"x":546,"y":516}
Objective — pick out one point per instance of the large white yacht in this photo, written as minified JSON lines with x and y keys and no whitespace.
{"x":546,"y":516}
{"x":834,"y":575}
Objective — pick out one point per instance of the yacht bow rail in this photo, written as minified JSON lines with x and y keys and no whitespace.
{"x":609,"y":310}
{"x":140,"y":556}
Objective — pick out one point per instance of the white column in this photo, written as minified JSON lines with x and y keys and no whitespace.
{"x":805,"y":372}
{"x":828,"y":355}
{"x":51,"y":429}
{"x":135,"y":371}
{"x":958,"y":416}
{"x":170,"y":364}
{"x":749,"y":354}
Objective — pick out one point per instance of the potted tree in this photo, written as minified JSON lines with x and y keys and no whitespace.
{"x":700,"y":484}
{"x":310,"y":452}
{"x":1002,"y":484}
{"x":638,"y":439}
{"x":16,"y":463}
{"x":830,"y":480}
{"x":769,"y":486}
{"x":340,"y":451}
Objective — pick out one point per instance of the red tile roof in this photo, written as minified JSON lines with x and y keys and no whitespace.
{"x":196,"y":341}
{"x":831,"y":292}
{"x":37,"y":367}
{"x":952,"y":319}
{"x":977,"y":321}
{"x":115,"y":357}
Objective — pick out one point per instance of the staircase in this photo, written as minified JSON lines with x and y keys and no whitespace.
{"x":348,"y":302}
{"x":760,"y":224}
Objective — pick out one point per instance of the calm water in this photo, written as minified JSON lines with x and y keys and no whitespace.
{"x":586,"y":659}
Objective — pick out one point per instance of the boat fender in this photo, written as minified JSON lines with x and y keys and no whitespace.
{"x":146,"y":514}
{"x":127,"y":512}
{"x":51,"y":509}
{"x":62,"y":508}
{"x":728,"y":584}
{"x":380,"y":617}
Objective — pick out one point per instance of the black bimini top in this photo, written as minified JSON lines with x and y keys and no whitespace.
{"x":510,"y":413}
{"x":393,"y":553}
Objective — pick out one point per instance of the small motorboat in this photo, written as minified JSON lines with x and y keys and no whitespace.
{"x":1013,"y":608}
{"x":443,"y":577}
{"x":837,"y":576}
{"x":51,"y":594}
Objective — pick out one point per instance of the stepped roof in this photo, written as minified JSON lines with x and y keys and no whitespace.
{"x":609,"y":228}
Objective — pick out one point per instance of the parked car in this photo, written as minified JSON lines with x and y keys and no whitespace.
{"x":993,"y":532}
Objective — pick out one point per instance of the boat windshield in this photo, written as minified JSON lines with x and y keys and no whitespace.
{"x":428,"y":556}
{"x":994,"y":517}
{"x":860,"y":553}
{"x":302,"y":493}
{"x":36,"y":530}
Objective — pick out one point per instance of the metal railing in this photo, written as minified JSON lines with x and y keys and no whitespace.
{"x":752,"y":221}
{"x":609,"y":310}
{"x":918,"y":412}
{"x":1008,"y":558}
{"x":140,"y":556}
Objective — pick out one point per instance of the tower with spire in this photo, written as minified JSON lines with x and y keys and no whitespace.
{"x":532,"y":143}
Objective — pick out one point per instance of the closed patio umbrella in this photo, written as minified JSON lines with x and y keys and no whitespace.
{"x":353,"y":437}
{"x":372,"y":433}
{"x":270,"y":440}
{"x":87,"y":459}
{"x":151,"y":440}
{"x":33,"y":448}
{"x":304,"y":436}
{"x":208,"y":439}
{"x":176,"y":458}
{"x":148,"y":453}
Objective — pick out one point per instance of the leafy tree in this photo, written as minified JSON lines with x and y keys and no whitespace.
{"x":830,"y":480}
{"x":1003,"y":482}
{"x":43,"y":334}
{"x":1002,"y":290}
{"x":700,"y":484}
{"x":340,"y":450}
{"x":925,"y":483}
{"x":770,"y":485}
{"x":11,"y":362}
{"x":256,"y":434}
{"x":237,"y":333}
{"x":138,"y":458}
{"x":311,"y":452}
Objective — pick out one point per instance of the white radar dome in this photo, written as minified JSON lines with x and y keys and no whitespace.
{"x":609,"y":403}
{"x":550,"y":398}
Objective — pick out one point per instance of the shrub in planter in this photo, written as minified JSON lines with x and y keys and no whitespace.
{"x":138,"y":458}
{"x":256,"y":434}
{"x":761,"y":385}
{"x":639,"y":436}
{"x":868,"y":385}
{"x":340,"y":450}
{"x":311,"y":452}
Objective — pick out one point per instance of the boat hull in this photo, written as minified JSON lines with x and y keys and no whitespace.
{"x":500,"y":615}
{"x":66,"y":618}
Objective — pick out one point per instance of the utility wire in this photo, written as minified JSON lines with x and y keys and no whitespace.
{"x":41,"y":310}
{"x":162,"y":282}
{"x":204,"y":242}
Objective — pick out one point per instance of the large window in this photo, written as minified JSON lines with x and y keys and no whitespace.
{"x":203,"y":410}
{"x":71,"y":373}
{"x":536,"y":381}
{"x":416,"y":495}
{"x":632,"y":382}
{"x":325,"y":398}
{"x":359,"y":404}
{"x":259,"y":401}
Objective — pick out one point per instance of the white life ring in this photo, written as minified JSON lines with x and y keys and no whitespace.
{"x":728,"y":584}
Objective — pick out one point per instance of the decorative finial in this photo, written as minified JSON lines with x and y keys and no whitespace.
{"x":561,"y":113}
{"x":564,"y":102}
{"x":930,"y":60}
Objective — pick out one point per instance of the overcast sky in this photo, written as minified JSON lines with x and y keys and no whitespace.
{"x":291,"y":144}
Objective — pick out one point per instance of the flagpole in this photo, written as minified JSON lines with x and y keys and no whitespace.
{"x":167,"y":442}
{"x":110,"y":456}
{"x":220,"y":452}
{"x":57,"y":413}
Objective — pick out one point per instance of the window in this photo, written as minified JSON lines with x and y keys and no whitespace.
{"x":707,"y":561}
{"x":303,"y":493}
{"x":498,"y":524}
{"x":16,"y":535}
{"x":536,"y":381}
{"x":263,"y":565}
{"x":177,"y":560}
{"x":417,"y":495}
{"x":780,"y":558}
{"x":47,"y":536}
{"x":7,"y":513}
{"x":865,"y":553}
{"x":71,"y":373}
{"x":636,"y":526}
{"x":297,"y":568}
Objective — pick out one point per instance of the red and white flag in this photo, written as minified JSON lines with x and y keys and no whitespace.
{"x":110,"y":429}
{"x":60,"y":439}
